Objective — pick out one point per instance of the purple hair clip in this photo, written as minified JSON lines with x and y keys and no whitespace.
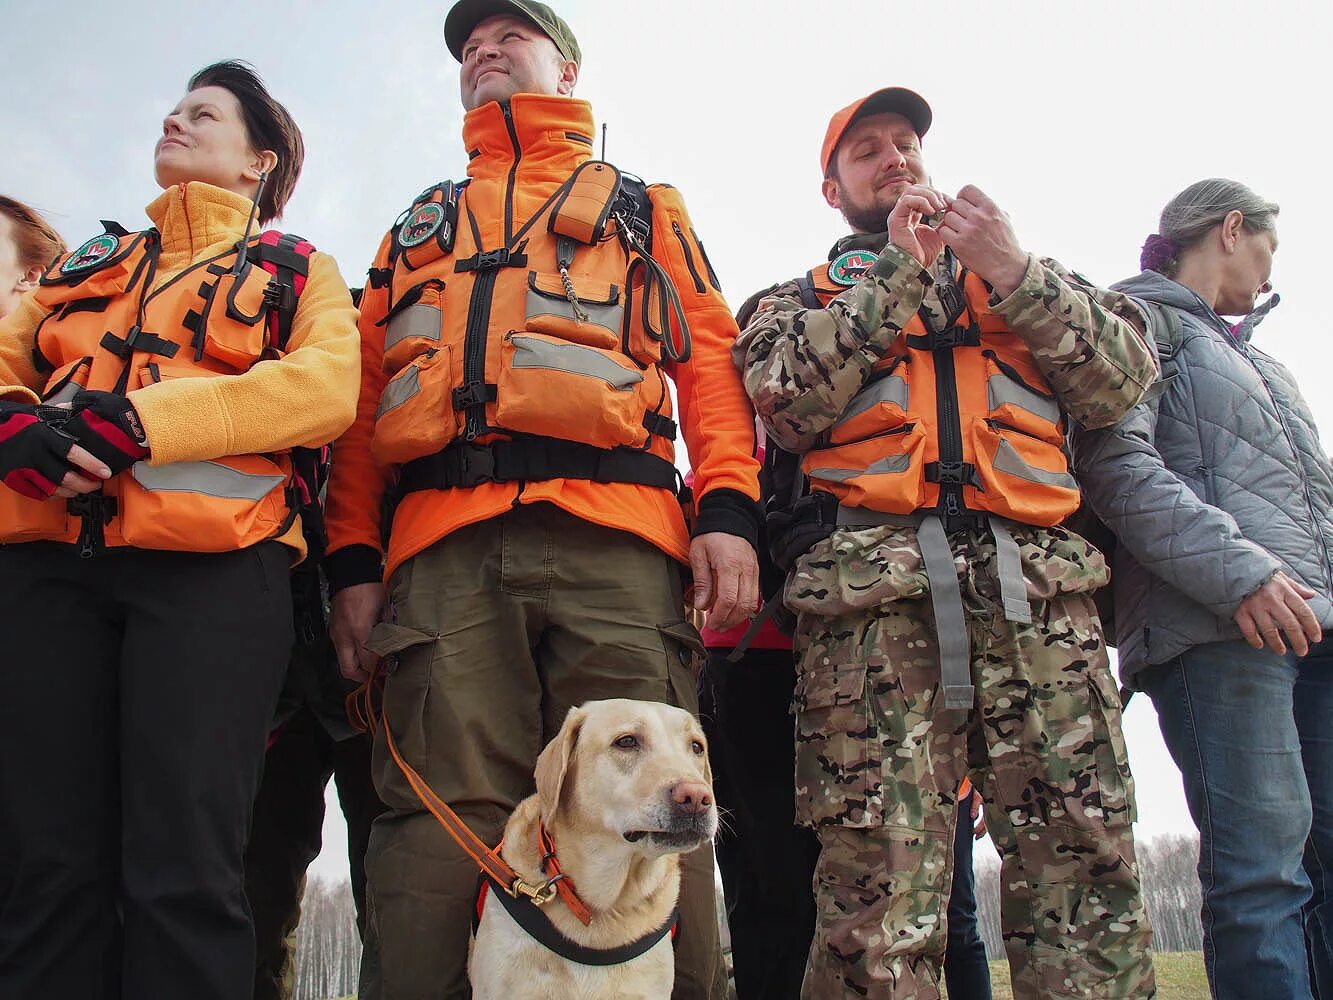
{"x":1157,"y":252}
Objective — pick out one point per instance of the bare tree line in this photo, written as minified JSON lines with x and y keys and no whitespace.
{"x":329,"y":951}
{"x":1167,"y":867}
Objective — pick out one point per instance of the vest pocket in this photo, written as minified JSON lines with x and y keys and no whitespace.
{"x":234,"y":320}
{"x":67,"y":380}
{"x":1020,"y":402}
{"x":883,"y":473}
{"x":553,"y":388}
{"x":588,"y":313}
{"x":1022,"y":477}
{"x":413,"y":326}
{"x":879,"y":407}
{"x":213,"y":506}
{"x":416,"y":414}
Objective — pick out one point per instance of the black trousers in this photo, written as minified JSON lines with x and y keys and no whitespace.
{"x":286,"y":836}
{"x":138,"y":692}
{"x":768,"y":862}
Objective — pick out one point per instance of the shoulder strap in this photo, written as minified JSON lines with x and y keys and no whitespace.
{"x":287,"y":258}
{"x":806,"y":284}
{"x":637,"y":208}
{"x":1167,"y":334}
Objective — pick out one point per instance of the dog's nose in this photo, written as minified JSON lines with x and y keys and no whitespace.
{"x":692,"y":796}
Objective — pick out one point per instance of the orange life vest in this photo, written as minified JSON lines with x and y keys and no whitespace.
{"x":109,"y":329}
{"x":537,"y":360}
{"x":953,"y":422}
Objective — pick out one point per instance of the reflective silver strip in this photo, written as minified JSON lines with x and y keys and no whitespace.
{"x":400,"y":390}
{"x":946,"y":598}
{"x":1009,"y":567}
{"x":1010,"y":462}
{"x":609,"y":317}
{"x":887,"y":390}
{"x":891,"y":463}
{"x":209,"y":478}
{"x":418,"y":320}
{"x":1001,"y":389}
{"x":529,"y":352}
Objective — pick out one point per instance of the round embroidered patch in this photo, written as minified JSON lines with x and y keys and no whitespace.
{"x":92,"y":253}
{"x":850,"y":267}
{"x":421,"y":224}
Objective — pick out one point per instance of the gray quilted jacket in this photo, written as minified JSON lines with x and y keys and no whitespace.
{"x":1209,"y":488}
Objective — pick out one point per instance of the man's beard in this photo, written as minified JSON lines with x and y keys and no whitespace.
{"x":867,"y":218}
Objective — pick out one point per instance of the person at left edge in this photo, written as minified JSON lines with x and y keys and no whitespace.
{"x":147,"y":615}
{"x":517,"y":339}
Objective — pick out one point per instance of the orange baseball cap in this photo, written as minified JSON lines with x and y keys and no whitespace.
{"x":899,"y":100}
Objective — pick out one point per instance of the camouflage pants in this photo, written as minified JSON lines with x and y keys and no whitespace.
{"x":878,"y":765}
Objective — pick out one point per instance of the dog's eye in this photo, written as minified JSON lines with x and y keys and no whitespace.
{"x":697,"y":747}
{"x":627,"y":743}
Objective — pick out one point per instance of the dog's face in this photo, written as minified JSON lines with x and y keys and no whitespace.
{"x":637,"y":770}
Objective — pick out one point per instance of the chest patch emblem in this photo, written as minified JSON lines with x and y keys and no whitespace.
{"x":848,"y":268}
{"x":92,"y":253}
{"x":421,"y":224}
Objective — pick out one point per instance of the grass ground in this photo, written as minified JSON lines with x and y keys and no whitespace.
{"x":1180,"y":976}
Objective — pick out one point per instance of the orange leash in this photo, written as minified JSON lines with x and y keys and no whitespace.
{"x":360,"y":708}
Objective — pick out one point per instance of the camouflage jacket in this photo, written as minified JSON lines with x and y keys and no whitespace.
{"x":801,"y":367}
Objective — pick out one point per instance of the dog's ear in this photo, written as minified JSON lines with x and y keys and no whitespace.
{"x":554,"y":762}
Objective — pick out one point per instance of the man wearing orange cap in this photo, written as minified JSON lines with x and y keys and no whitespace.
{"x":519,"y":330}
{"x":920,"y":382}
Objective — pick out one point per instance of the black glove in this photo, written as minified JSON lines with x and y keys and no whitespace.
{"x":32,"y":453}
{"x":108,"y":427}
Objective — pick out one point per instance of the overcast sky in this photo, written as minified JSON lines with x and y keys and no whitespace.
{"x":1080,"y":119}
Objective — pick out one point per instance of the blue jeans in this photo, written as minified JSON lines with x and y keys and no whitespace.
{"x":1249,"y":731}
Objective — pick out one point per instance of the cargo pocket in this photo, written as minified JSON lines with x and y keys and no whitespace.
{"x":407,"y":654}
{"x":883,"y":473}
{"x":836,"y":769}
{"x":591,"y":314}
{"x":685,"y":658}
{"x":1114,"y":781}
{"x":234,"y":318}
{"x":1023,"y":477}
{"x":416,"y":413}
{"x":67,"y":380}
{"x":413,"y":325}
{"x":553,"y":388}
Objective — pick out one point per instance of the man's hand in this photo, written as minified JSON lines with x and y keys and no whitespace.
{"x":983,"y":238}
{"x":907,"y":227}
{"x":355,"y":611}
{"x":726,"y":578}
{"x":1278,"y":607}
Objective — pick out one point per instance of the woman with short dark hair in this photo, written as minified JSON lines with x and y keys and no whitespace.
{"x":153,"y":388}
{"x":1220,"y":495}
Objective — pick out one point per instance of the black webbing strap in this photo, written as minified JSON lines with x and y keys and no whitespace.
{"x":805,"y":284}
{"x":538,"y":926}
{"x":535,"y":458}
{"x":954,"y":336}
{"x":137,"y":340}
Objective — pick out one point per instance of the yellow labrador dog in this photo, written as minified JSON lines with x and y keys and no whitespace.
{"x":623,"y":790}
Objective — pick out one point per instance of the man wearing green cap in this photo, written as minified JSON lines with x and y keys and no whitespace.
{"x":518,"y":332}
{"x":918,"y":384}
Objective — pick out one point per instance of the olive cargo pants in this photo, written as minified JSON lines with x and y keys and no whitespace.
{"x":501,"y":628}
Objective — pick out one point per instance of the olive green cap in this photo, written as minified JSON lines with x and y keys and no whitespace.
{"x":467,"y":14}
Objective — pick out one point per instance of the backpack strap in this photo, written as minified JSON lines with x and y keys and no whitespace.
{"x":287,"y":258}
{"x":1167,"y":335}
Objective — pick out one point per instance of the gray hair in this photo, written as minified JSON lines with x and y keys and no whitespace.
{"x":1192,"y":214}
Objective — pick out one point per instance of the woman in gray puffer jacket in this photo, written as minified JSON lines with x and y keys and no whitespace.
{"x":1219,"y":493}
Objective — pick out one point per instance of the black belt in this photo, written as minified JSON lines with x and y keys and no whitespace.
{"x":535,"y":459}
